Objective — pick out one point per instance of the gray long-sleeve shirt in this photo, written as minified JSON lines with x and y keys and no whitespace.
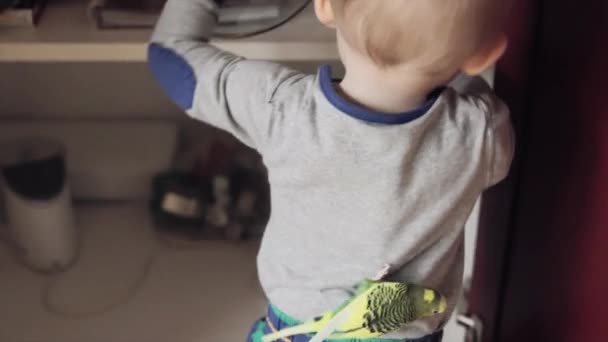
{"x":352,"y":190}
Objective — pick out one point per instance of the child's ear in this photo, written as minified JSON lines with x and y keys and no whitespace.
{"x":325,"y":13}
{"x":485,"y":57}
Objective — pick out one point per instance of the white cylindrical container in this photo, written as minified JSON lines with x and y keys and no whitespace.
{"x":38,"y":203}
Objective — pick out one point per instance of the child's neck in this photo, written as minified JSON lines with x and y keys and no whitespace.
{"x":393,"y":90}
{"x":377,"y":92}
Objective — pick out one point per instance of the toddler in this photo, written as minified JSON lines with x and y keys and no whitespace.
{"x":380,"y":168}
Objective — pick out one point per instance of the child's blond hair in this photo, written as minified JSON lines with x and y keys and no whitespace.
{"x":432,"y":35}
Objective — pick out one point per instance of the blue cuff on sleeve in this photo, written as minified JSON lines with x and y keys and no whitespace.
{"x":173,"y":73}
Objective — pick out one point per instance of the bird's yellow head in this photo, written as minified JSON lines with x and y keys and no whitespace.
{"x":429,"y":302}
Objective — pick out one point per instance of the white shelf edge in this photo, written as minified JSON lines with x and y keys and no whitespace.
{"x":37,"y":52}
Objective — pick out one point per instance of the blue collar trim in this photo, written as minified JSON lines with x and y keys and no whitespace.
{"x":361,"y":113}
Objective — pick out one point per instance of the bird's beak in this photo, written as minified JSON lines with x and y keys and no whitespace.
{"x":443,"y":305}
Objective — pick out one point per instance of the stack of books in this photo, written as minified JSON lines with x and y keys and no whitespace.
{"x":249,"y":11}
{"x":125,"y":14}
{"x":143,"y":14}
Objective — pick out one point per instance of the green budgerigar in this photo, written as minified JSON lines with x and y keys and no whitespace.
{"x":377,"y":308}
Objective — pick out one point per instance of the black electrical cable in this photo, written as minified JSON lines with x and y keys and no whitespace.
{"x":278,"y":24}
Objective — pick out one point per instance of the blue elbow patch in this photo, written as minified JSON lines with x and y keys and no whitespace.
{"x":173,"y":73}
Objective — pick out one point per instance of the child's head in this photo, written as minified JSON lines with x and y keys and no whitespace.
{"x":436,"y":37}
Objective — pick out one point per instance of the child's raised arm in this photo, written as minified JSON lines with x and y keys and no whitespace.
{"x":500,"y":137}
{"x":212,"y":85}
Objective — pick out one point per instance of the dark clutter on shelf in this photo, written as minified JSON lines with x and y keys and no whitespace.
{"x":225,"y":197}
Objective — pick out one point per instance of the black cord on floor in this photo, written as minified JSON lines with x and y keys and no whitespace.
{"x":46,"y":295}
{"x":170,"y":244}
